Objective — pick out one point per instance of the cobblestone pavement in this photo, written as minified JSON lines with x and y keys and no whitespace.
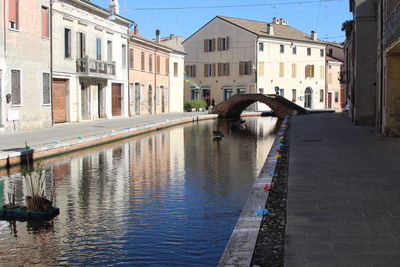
{"x":344,"y":194}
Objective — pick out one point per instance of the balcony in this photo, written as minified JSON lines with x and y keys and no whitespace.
{"x":95,"y":68}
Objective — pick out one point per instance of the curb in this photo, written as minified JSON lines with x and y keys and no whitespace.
{"x":240,"y":248}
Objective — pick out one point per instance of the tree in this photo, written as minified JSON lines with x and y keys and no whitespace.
{"x":347,"y":27}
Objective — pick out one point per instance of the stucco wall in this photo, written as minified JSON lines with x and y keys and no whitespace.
{"x":27,"y":51}
{"x":176,"y":86}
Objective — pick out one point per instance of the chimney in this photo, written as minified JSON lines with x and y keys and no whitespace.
{"x":275,"y":20}
{"x":283,"y":21}
{"x":158,"y":39}
{"x":170,"y":36}
{"x":270,"y":29}
{"x":313,"y":35}
{"x":114,"y":7}
{"x":135,"y":29}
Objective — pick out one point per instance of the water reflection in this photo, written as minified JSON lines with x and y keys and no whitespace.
{"x":170,"y":198}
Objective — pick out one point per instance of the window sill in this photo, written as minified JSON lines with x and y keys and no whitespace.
{"x":16,"y":105}
{"x":13,"y":30}
{"x":46,"y":105}
{"x":46,"y":38}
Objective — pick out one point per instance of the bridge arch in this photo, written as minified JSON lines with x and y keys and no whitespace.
{"x":234,"y":106}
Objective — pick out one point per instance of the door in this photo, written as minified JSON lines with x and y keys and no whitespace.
{"x":59,"y":99}
{"x":330,"y":100}
{"x":100,"y":101}
{"x":150,"y":100}
{"x":307,"y":98}
{"x":116,"y":99}
{"x":162,"y":99}
{"x":85,"y":102}
{"x":137,"y":98}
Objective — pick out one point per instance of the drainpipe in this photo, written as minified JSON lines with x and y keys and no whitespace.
{"x":51,"y":62}
{"x":155,"y":81}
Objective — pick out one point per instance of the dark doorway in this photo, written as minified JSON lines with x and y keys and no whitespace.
{"x":308,"y":98}
{"x":116,"y":99}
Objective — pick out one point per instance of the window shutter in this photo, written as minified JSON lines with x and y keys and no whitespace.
{"x":226,"y":43}
{"x":312,"y":71}
{"x":213,"y":67}
{"x":261,"y":68}
{"x":16,"y":87}
{"x":307,"y":71}
{"x":131,"y":58}
{"x":194,"y":71}
{"x":167,"y":66}
{"x":45,"y":22}
{"x":46,"y":88}
{"x":219,"y":68}
{"x":187,"y":70}
{"x":205,"y":70}
{"x":281,"y":69}
{"x":205,"y":45}
{"x":241,"y":68}
{"x":227,"y":69}
{"x":213,"y":45}
{"x":294,"y":70}
{"x":249,"y":67}
{"x":219,"y":44}
{"x":12,"y":10}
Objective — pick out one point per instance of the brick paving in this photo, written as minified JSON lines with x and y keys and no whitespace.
{"x":344,"y":194}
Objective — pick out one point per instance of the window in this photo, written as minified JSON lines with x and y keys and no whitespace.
{"x":223,"y":44}
{"x":131,"y":58}
{"x":209,"y":45}
{"x":13,"y":14}
{"x":294,"y":70}
{"x":109,"y":51}
{"x":241,"y":91}
{"x":261,"y":46}
{"x":223,"y":69}
{"x":209,"y":70}
{"x":294,"y":95}
{"x":45,"y":22}
{"x":150,"y":62}
{"x":81,"y":39}
{"x":330,"y":51}
{"x":123,"y":55}
{"x":67,"y":43}
{"x":321,"y":95}
{"x":167,"y":66}
{"x":321,"y":72}
{"x":308,"y":51}
{"x":245,"y":68}
{"x":227,"y":93}
{"x":336,"y":97}
{"x":158,"y":64}
{"x":195,"y":94}
{"x":321,"y":52}
{"x":46,"y":88}
{"x":142,"y":61}
{"x":282,"y":92}
{"x":261,"y":68}
{"x":309,"y":71}
{"x":15,"y":87}
{"x":261,"y":90}
{"x":281,"y":69}
{"x":190,"y":70}
{"x":175,"y":69}
{"x":282,"y":49}
{"x":294,"y":50}
{"x":98,"y":48}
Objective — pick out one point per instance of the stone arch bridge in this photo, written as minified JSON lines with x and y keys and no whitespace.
{"x":234,"y":106}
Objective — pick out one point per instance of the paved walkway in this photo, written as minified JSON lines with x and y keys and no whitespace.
{"x":67,"y":131}
{"x":344,"y":194}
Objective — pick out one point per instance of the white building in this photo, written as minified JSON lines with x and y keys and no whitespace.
{"x":176,"y":76}
{"x":90,"y":62}
{"x":233,"y":56}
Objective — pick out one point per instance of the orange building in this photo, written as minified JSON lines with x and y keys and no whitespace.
{"x":148,"y":75}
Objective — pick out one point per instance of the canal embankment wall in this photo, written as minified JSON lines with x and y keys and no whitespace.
{"x":240,"y":248}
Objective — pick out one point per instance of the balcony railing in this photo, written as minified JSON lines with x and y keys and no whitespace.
{"x":93,"y":67}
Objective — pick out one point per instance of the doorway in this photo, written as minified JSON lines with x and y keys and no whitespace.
{"x":59,"y":100}
{"x":100,"y":101}
{"x":150,"y":100}
{"x":116,"y":99}
{"x":308,"y":98}
{"x":162,"y":99}
{"x":137,"y":98}
{"x":85,"y":102}
{"x":330,"y":100}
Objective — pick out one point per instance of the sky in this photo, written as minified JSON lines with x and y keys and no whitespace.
{"x":324,"y":16}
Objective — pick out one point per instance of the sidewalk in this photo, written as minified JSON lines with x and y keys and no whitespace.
{"x":343,"y":194}
{"x":62,"y":137}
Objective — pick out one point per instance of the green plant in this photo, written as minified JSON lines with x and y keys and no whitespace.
{"x":35,"y":181}
{"x":195,"y":103}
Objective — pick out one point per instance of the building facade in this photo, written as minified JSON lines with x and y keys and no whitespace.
{"x":335,"y":94}
{"x":25,"y":65}
{"x":90,"y":62}
{"x":233,"y":56}
{"x":149,"y":70}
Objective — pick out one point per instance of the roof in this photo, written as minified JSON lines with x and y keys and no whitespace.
{"x":149,"y":41}
{"x":175,"y":43}
{"x":332,"y":58}
{"x":280,"y":31}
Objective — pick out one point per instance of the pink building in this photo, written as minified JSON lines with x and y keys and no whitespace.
{"x":335,"y":94}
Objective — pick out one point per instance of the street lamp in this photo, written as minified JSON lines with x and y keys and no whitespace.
{"x":112,"y":6}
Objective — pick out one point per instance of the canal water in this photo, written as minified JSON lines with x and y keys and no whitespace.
{"x":167,"y":199}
